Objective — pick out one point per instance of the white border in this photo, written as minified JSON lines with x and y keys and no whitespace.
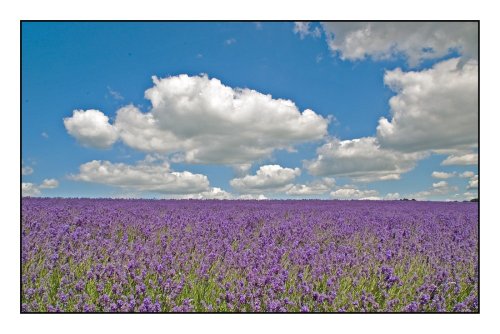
{"x":259,"y":9}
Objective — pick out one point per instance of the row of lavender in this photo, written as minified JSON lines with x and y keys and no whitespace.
{"x":85,"y":255}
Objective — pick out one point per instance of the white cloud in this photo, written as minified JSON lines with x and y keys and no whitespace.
{"x":440,"y":185}
{"x":91,"y":128}
{"x":147,"y":175}
{"x":392,"y":196}
{"x":469,"y":195}
{"x":26,"y":170}
{"x":33,"y":190}
{"x":316,"y":187}
{"x":116,"y":95}
{"x":461,"y":159}
{"x":49,"y":184}
{"x":360,"y":159}
{"x":203,"y":121}
{"x":434,"y":109}
{"x":230,"y":41}
{"x":29,"y":189}
{"x":415,"y":40}
{"x":252,"y":197}
{"x":212,"y":193}
{"x":352,"y":192}
{"x":442,"y":175}
{"x":272,"y":178}
{"x":439,"y":190}
{"x":304,"y":29}
{"x":242,"y":169}
{"x":467,"y":174}
{"x":473,"y":183}
{"x":44,"y":135}
{"x":218,"y":193}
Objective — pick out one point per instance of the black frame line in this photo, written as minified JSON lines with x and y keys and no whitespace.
{"x":247,"y":21}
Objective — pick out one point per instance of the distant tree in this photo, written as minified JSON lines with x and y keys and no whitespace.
{"x":475,"y":200}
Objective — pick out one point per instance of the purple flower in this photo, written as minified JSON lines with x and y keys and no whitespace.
{"x":459,"y":307}
{"x":101,"y":255}
{"x":412,"y":307}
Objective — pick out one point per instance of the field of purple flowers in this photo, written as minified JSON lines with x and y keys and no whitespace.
{"x":99,"y":255}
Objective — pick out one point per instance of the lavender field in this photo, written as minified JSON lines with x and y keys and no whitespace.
{"x":98,"y":255}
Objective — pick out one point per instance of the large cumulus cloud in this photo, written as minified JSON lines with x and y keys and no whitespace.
{"x":202,"y":121}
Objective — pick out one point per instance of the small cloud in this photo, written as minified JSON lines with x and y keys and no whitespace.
{"x":440,"y":185}
{"x":267,"y":178}
{"x":230,"y":41}
{"x":116,"y":95}
{"x":467,"y":174}
{"x":49,"y":184}
{"x":304,"y":29}
{"x":258,"y":25}
{"x":352,"y":192}
{"x":319,"y":58}
{"x":392,"y":196}
{"x":443,"y":175}
{"x":199,"y":56}
{"x":26,"y":170}
{"x":29,"y":189}
{"x":463,"y":159}
{"x":242,"y":169}
{"x":45,"y":135}
{"x":473,"y":183}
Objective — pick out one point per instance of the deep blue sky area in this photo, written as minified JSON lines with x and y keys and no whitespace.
{"x":69,"y":66}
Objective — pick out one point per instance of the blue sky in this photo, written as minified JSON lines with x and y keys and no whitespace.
{"x":356,"y":110}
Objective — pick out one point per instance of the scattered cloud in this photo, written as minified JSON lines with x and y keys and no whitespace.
{"x":114,"y":94}
{"x":319,"y":58}
{"x":469,"y":195}
{"x":91,"y":128}
{"x":269,"y":178}
{"x":434,"y":109}
{"x":29,"y":189}
{"x":212,"y":193}
{"x":26,"y":170}
{"x":473,"y":183}
{"x":461,"y":159}
{"x":148,"y":175}
{"x":258,"y":25}
{"x":392,"y":196}
{"x":316,"y":187}
{"x":352,"y":192}
{"x":440,"y":185}
{"x":362,"y":160}
{"x":242,"y":169}
{"x":439,"y":189}
{"x":49,"y":184}
{"x":33,"y":190}
{"x":303,"y":29}
{"x":202,"y":121}
{"x":467,"y":174}
{"x":416,"y":41}
{"x":443,"y":175}
{"x":252,"y":197}
{"x":230,"y":41}
{"x":44,"y":135}
{"x":218,"y":193}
